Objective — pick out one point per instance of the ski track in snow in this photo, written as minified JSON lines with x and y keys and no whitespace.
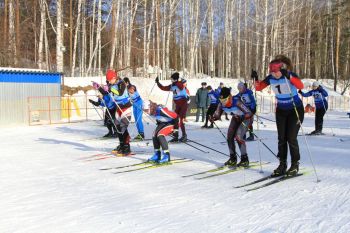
{"x":48,"y":186}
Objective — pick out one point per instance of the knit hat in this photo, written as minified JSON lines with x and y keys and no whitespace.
{"x":110,"y":75}
{"x":225,"y":92}
{"x":315,"y":84}
{"x":241,"y":85}
{"x":175,"y":76}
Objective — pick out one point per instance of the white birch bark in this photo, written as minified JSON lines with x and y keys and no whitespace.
{"x":59,"y":38}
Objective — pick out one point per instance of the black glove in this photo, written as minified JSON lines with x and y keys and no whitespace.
{"x":300,"y":92}
{"x":157,"y":80}
{"x":285,"y":73}
{"x":254,"y":75}
{"x":94,"y":102}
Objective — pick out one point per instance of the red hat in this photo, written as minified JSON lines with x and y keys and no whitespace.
{"x":275,"y":66}
{"x":110,"y":75}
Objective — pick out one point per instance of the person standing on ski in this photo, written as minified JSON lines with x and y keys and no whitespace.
{"x":214,"y":101}
{"x":121,"y":98}
{"x":106,"y":101}
{"x":247,"y":97}
{"x":180,"y":99}
{"x":321,"y":105}
{"x":202,"y":101}
{"x":167,"y":123}
{"x":289,"y":111}
{"x":137,"y":107}
{"x":240,"y":113}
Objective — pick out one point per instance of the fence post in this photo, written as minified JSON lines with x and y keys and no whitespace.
{"x":49,"y":109}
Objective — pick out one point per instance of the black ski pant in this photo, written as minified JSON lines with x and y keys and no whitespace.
{"x":211,"y":110}
{"x":287,"y":128}
{"x":110,"y":120}
{"x":319,"y":119}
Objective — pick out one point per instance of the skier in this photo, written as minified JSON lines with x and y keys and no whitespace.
{"x":247,"y":97}
{"x":234,"y":106}
{"x":214,"y":101}
{"x":137,"y":106}
{"x":180,"y":99}
{"x":167,"y":123}
{"x":121,"y":98}
{"x":321,"y":104}
{"x":289,"y":111}
{"x":104,"y":100}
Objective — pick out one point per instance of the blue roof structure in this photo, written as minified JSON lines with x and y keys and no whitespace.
{"x":17,"y":76}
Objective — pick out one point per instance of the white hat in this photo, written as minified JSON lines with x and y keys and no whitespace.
{"x":315,"y":84}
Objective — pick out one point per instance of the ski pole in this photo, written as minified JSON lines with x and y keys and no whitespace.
{"x":110,"y":115}
{"x":224,"y":136}
{"x":97,"y":112}
{"x":150,"y":117}
{"x":302,"y":130}
{"x":260,"y":140}
{"x":266,"y":119}
{"x":207,"y":147}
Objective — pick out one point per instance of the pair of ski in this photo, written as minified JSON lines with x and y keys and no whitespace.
{"x":223,"y":170}
{"x":145,"y":165}
{"x":274,"y":180}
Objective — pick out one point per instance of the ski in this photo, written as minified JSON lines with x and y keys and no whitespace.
{"x":260,"y":180}
{"x":133,"y":165}
{"x":95,"y":155}
{"x":231,"y":169}
{"x":141,"y":140}
{"x":207,"y":171}
{"x":275,"y":181}
{"x":156,"y":165}
{"x":211,"y":170}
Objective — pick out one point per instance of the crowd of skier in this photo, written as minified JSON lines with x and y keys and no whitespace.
{"x":120,"y":98}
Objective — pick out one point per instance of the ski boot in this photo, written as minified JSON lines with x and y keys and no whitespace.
{"x":250,"y":138}
{"x":118,"y":149}
{"x":244,"y":161}
{"x":108,"y":135}
{"x":280,"y":170}
{"x":175,"y":137}
{"x":293,"y":170}
{"x":211,"y":126}
{"x":183,"y":138}
{"x":139,"y":137}
{"x":166,"y":157}
{"x":125,"y":150}
{"x":204,"y":126}
{"x":156,"y":157}
{"x":232,"y":162}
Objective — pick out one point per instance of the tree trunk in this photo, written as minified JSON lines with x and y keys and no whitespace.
{"x":59,"y":38}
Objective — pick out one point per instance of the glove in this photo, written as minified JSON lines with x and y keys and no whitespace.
{"x":94,"y":102}
{"x":254,"y":75}
{"x":95,"y":85}
{"x":285,"y":73}
{"x":300,"y":92}
{"x":157,"y":80}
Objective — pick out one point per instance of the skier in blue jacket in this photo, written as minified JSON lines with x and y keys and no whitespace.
{"x":137,"y":106}
{"x":321,"y":105}
{"x":247,"y":97}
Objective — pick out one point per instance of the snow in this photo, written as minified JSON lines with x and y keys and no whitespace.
{"x":50,"y":183}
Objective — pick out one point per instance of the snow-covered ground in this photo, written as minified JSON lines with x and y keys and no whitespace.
{"x":50,"y":182}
